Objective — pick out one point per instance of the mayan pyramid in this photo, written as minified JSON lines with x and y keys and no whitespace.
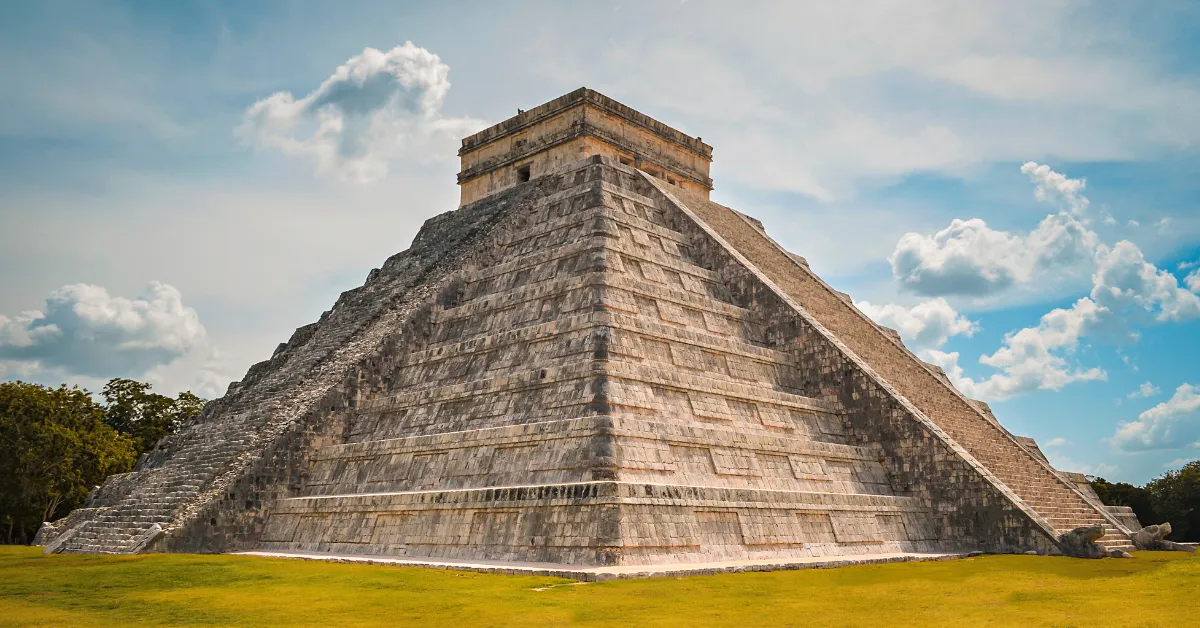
{"x":590,"y":363}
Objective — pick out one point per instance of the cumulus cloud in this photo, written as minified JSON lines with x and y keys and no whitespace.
{"x":1171,"y":424}
{"x":969,"y":258}
{"x":1147,"y":389}
{"x":924,"y":326}
{"x":1057,"y":441}
{"x":1127,"y":292}
{"x":373,"y":106}
{"x":1056,"y":188}
{"x":1131,"y":289}
{"x":1031,"y":359}
{"x":1193,"y":281}
{"x":84,"y":330}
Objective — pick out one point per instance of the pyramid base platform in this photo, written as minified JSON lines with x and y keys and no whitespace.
{"x":586,"y":573}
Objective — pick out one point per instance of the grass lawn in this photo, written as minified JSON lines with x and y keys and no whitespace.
{"x":1152,"y":589}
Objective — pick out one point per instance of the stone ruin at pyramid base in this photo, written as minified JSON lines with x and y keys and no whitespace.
{"x":591,"y":365}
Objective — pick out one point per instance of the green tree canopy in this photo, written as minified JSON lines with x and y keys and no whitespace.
{"x":1172,"y":497}
{"x":146,"y":417}
{"x":54,"y":447}
{"x":1176,"y":496}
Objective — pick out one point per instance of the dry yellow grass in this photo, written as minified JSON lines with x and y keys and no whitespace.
{"x":1152,"y":589}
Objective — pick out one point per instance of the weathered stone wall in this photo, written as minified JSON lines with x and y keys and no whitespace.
{"x":201,"y":464}
{"x":1020,"y":471}
{"x":578,"y":125}
{"x":326,"y":450}
{"x":589,"y":353}
{"x":578,"y":370}
{"x":968,"y":508}
{"x":692,"y":406}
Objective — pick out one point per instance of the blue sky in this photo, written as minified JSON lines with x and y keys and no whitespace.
{"x":174,"y":201}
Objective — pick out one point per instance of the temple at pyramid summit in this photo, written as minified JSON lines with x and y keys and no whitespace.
{"x":590,"y":366}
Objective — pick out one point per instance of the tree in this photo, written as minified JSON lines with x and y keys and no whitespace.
{"x":1176,"y":496}
{"x":144,"y":416}
{"x":1172,"y":497}
{"x":54,"y":447}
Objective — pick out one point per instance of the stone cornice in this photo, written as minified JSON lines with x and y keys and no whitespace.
{"x":580,"y":97}
{"x":579,"y":129}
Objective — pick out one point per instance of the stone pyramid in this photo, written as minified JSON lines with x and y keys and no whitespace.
{"x":590,"y":363}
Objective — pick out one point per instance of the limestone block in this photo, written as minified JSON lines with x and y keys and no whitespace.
{"x":775,"y":416}
{"x":640,"y":238}
{"x":693,"y":462}
{"x":693,"y":284}
{"x":816,"y":527}
{"x":855,"y":528}
{"x":891,"y":527}
{"x":728,"y":461}
{"x":719,"y":528}
{"x":707,"y":406}
{"x":808,"y":468}
{"x":671,"y":312}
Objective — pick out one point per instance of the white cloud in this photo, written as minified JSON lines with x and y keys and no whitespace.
{"x":373,"y":106}
{"x":1056,"y":188}
{"x":1031,"y":358}
{"x":1057,"y":441}
{"x":1133,"y":223}
{"x":1163,"y":224}
{"x":85,"y":331}
{"x":927,"y":325}
{"x":1108,"y":219}
{"x":1130,"y":289}
{"x":1147,"y":389}
{"x":1171,"y":424}
{"x":1127,"y":292}
{"x":873,"y":90}
{"x":1193,"y":280}
{"x":970,"y":258}
{"x":1177,"y":463}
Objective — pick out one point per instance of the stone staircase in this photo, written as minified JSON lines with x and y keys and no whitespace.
{"x":1040,"y":488}
{"x":128,"y":524}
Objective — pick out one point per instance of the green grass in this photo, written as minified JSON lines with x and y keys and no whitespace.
{"x":1152,"y":589}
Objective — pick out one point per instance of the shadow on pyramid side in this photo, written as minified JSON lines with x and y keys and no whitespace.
{"x":590,"y":364}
